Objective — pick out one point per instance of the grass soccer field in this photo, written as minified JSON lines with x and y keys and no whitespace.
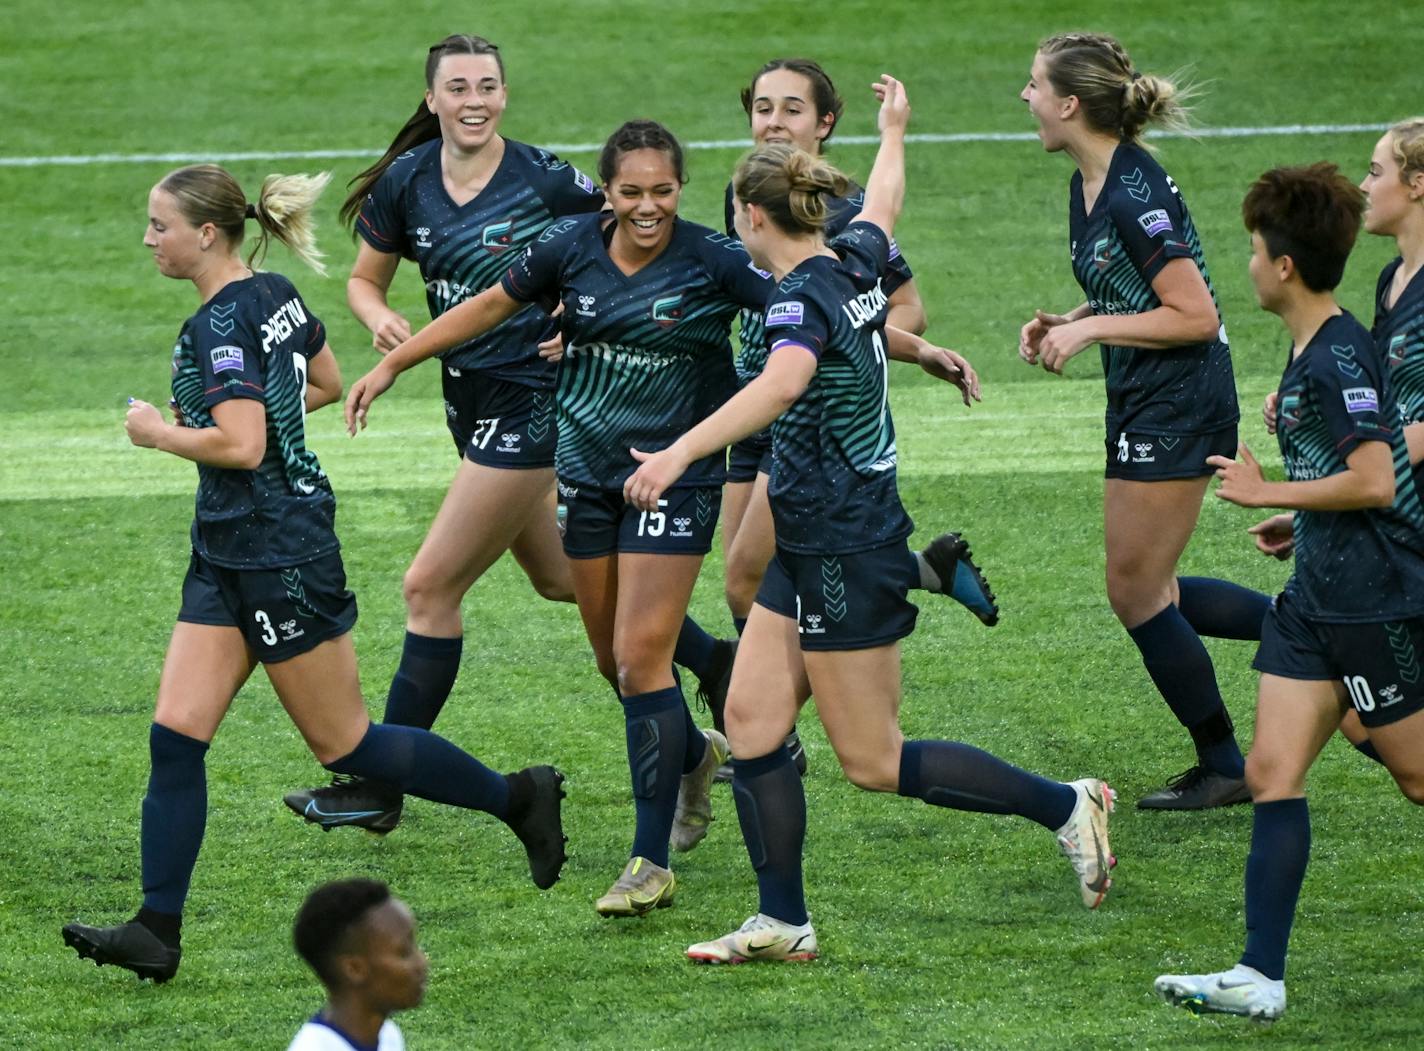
{"x":938,"y":929}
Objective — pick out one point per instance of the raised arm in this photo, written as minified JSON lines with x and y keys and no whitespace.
{"x":885,"y":189}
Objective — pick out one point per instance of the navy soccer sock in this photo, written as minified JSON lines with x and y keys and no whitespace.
{"x":423,"y":680}
{"x":175,"y":811}
{"x":1367,"y":749}
{"x":1182,"y":670}
{"x":426,"y":765}
{"x":1221,"y":609}
{"x":656,"y":726}
{"x":695,"y":648}
{"x":1275,"y":869}
{"x":962,"y":777}
{"x":771,"y":807}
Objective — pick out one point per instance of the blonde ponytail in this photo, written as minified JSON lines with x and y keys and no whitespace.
{"x":284,"y":211}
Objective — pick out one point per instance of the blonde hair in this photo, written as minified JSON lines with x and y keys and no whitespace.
{"x":1114,"y":96}
{"x":791,"y":185}
{"x":206,"y":193}
{"x":1407,"y":139}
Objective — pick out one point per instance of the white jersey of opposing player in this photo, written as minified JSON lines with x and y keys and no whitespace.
{"x":317,"y":1035}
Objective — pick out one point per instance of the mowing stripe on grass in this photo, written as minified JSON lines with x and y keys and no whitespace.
{"x":80,"y":160}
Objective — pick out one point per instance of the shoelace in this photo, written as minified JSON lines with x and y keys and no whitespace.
{"x":1186,"y":778}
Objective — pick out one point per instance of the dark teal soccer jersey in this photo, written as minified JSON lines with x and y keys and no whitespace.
{"x":1399,"y":338}
{"x":832,"y":485}
{"x":464,"y":249}
{"x":751,"y":357}
{"x":1350,"y":566}
{"x":645,"y":357}
{"x":1138,"y":224}
{"x":253,"y":340}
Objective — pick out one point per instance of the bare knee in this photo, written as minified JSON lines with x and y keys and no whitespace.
{"x":555,"y":589}
{"x":1134,"y":595}
{"x":1412,"y":785}
{"x":1270,"y":777}
{"x":640,"y":666}
{"x":874,"y":773}
{"x":425,"y":593}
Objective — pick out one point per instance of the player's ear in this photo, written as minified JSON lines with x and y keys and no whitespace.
{"x":430,"y":100}
{"x":353,"y":968}
{"x":1068,"y":107}
{"x":1416,"y":186}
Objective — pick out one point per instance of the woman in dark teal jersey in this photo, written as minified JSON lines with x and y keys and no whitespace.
{"x":832,"y":608}
{"x":793,"y":101}
{"x":265,"y":582}
{"x":1348,"y":628}
{"x":1171,"y":394}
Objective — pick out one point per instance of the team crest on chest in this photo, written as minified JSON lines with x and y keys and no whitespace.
{"x":1102,"y":254}
{"x":498,"y":237}
{"x":667,"y":311}
{"x":1396,"y":351}
{"x":1288,"y":409}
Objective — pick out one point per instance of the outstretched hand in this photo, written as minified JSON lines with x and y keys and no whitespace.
{"x":945,"y":364}
{"x":1242,"y":482}
{"x":363,"y":392}
{"x":894,"y":104}
{"x":1275,"y":536}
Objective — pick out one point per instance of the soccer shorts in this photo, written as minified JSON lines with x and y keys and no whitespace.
{"x":1162,"y":457}
{"x":844,"y":602}
{"x":497,"y":423}
{"x":600,"y":522}
{"x":748,"y":457}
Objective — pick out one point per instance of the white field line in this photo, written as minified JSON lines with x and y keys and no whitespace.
{"x":81,"y":160}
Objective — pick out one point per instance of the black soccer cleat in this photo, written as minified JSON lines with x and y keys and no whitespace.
{"x":1197,"y":789}
{"x":349,"y":800}
{"x":130,"y":945}
{"x":948,"y":555}
{"x":540,"y":827}
{"x":712,"y":691}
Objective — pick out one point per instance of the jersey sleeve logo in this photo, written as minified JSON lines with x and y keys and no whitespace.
{"x":221,"y":319}
{"x":1345,"y":362}
{"x":422,"y":237}
{"x":584,"y":183}
{"x":1155,"y":222}
{"x":1137,"y":186}
{"x":788,"y":313}
{"x":894,"y":251}
{"x":1361,"y":399}
{"x":227,"y":359}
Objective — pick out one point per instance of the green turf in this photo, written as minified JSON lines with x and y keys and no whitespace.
{"x":939,"y":929}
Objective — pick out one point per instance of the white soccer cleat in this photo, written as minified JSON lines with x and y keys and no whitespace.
{"x":760,"y":938}
{"x":1084,"y":839}
{"x":1240,"y":991}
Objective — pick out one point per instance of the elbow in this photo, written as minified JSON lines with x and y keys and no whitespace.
{"x":786,"y":392}
{"x":1381,"y":492}
{"x":248,"y":457}
{"x":1206,"y":326}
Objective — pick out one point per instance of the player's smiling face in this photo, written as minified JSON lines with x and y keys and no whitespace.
{"x":1046,"y":105}
{"x":644,"y":193}
{"x":176,"y":244}
{"x":1390,"y":199}
{"x":783,"y":110}
{"x":468,"y":98}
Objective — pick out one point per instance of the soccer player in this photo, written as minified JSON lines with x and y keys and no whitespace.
{"x":461,"y":200}
{"x":361,"y":943}
{"x":832,"y":608}
{"x":1171,"y":393}
{"x":265,"y":583}
{"x":793,"y":100}
{"x":1349,"y":625}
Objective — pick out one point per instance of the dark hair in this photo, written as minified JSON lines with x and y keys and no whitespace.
{"x":823,"y":92}
{"x":790,"y":184}
{"x":1115,"y":97}
{"x":639,"y":135}
{"x":206,"y":193}
{"x":326,"y":918}
{"x":423,"y":125}
{"x":1311,"y":214}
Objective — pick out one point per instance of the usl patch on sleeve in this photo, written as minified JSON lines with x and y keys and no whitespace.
{"x":582,"y":181}
{"x":227,"y":359}
{"x":894,"y":250}
{"x":789,"y":313}
{"x":1361,"y":399}
{"x":765,"y":275}
{"x":1155,"y":222}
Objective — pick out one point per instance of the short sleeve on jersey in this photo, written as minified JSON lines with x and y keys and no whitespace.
{"x":1348,"y":386}
{"x":866,"y":248}
{"x":316,"y":337}
{"x":535,"y":274}
{"x":1149,"y":219}
{"x":228,"y":358}
{"x":564,"y":189}
{"x":381,"y":221}
{"x":796,"y":320}
{"x":741,"y":280}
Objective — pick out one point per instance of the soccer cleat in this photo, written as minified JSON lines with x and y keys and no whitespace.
{"x":642,"y":888}
{"x":540,"y":827}
{"x":760,"y":938}
{"x":694,"y":795}
{"x":130,"y":945}
{"x":1084,"y":839}
{"x":1240,"y":991}
{"x":1197,"y":789}
{"x":349,"y":800}
{"x":712,"y":691}
{"x":948,"y":555}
